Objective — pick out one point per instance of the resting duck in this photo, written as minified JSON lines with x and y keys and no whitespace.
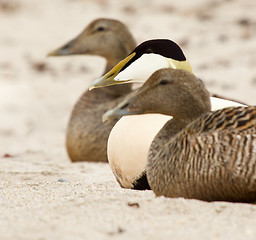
{"x":198,"y":153}
{"x":86,"y":136}
{"x":130,"y":139}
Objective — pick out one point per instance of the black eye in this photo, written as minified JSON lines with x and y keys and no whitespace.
{"x":100,"y":29}
{"x":163,"y":82}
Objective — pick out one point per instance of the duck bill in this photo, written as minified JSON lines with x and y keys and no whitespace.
{"x":109,"y":78}
{"x":123,"y":108}
{"x":65,"y":50}
{"x":117,"y":113}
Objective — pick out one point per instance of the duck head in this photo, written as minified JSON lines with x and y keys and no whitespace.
{"x":173,"y":92}
{"x":104,"y":37}
{"x":144,"y":60}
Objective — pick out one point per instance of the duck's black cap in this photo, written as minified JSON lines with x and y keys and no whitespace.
{"x":164,"y":47}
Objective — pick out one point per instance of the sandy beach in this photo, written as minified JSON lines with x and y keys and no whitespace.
{"x":45,"y":196}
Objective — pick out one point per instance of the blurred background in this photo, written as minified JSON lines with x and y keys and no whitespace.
{"x":37,"y":92}
{"x":43,"y":194}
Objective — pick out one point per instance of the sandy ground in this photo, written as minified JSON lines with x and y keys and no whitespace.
{"x":42,"y":194}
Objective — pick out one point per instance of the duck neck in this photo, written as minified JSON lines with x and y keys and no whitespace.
{"x":168,"y":133}
{"x":172,"y":128}
{"x":116,"y":57}
{"x":111,"y":92}
{"x":111,"y":62}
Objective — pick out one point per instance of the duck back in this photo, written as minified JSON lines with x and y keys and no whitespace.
{"x":213,"y":158}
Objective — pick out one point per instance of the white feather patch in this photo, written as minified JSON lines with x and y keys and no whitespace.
{"x":128,"y":145}
{"x":141,"y":69}
{"x":218,"y":103}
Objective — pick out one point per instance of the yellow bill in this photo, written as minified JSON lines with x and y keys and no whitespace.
{"x":108,"y":78}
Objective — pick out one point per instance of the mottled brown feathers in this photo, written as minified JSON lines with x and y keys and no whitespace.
{"x":213,"y":158}
{"x":239,"y":119}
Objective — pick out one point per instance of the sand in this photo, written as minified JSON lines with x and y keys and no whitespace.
{"x":44,"y":195}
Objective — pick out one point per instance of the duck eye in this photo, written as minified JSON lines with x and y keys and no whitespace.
{"x":100,"y":29}
{"x":163,"y":82}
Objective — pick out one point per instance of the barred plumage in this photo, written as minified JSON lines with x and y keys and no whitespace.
{"x":213,"y":158}
{"x":216,"y":163}
{"x":197,"y":154}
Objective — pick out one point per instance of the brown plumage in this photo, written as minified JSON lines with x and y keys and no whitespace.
{"x":214,"y":158}
{"x":86,"y":138}
{"x":198,"y":154}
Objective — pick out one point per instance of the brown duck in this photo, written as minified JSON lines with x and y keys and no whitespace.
{"x":86,"y":137}
{"x":198,"y":154}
